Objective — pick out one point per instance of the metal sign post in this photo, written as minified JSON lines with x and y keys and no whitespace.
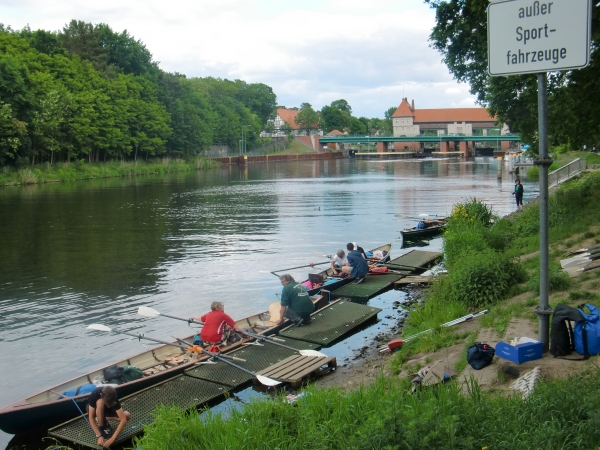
{"x":533,"y":36}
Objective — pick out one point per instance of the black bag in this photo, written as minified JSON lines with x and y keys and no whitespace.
{"x":480,"y":355}
{"x":114,"y":375}
{"x":562,"y":341}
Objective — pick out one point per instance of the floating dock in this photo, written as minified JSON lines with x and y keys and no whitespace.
{"x":419,"y":279}
{"x":332,"y":323}
{"x":371,"y":286}
{"x":414,"y":261}
{"x":296,"y":369}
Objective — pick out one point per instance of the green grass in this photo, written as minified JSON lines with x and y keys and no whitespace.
{"x":81,"y":170}
{"x":561,"y":414}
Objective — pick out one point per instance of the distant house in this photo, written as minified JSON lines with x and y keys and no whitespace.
{"x":287,"y":116}
{"x":408,"y":121}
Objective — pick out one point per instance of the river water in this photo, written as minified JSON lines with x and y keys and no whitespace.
{"x":73,"y":254}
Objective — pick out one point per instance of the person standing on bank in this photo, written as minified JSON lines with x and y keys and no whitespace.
{"x":103,"y":405}
{"x":519,"y":194}
{"x":296,"y":304}
{"x":358,"y":266}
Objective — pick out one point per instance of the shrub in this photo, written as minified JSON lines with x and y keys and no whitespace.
{"x":558,"y":280}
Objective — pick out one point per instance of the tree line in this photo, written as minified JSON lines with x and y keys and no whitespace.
{"x":338,"y":116}
{"x":88,"y":92}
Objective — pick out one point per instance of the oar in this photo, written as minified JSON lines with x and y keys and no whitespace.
{"x":299,"y":267}
{"x":151,"y":312}
{"x":447,"y":324}
{"x":584,"y":250}
{"x":578,"y":261}
{"x":276,"y":341}
{"x":195,"y":348}
{"x":574,"y":272}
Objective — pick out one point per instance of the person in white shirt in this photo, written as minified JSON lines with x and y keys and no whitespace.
{"x":339,"y":263}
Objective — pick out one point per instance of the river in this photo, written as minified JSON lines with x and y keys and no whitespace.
{"x":73,"y":254}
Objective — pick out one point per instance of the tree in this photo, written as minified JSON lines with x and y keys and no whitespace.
{"x":11,"y":132}
{"x":307,"y":118}
{"x":342,"y":105}
{"x":258,"y":98}
{"x":334,"y":119}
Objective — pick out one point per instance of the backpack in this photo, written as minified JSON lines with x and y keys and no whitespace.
{"x":131,"y":373}
{"x":587,"y":332}
{"x":114,"y":375}
{"x":480,"y":355}
{"x":562,"y":340}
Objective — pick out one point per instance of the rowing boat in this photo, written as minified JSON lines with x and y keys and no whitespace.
{"x":48,"y":407}
{"x":412,"y":234}
{"x":332,"y":282}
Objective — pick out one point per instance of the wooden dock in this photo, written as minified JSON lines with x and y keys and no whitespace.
{"x":420,"y":279}
{"x":297,"y":368}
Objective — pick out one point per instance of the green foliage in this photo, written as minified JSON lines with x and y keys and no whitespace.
{"x":307,"y":118}
{"x":558,"y":280}
{"x":90,"y":93}
{"x":385,"y":416}
{"x":483,"y":278}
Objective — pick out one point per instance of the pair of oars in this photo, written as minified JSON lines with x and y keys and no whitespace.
{"x":580,"y":260}
{"x":151,"y":312}
{"x":227,"y":359}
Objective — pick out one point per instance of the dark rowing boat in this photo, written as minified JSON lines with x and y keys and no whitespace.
{"x":331,"y":283}
{"x":433,"y":228}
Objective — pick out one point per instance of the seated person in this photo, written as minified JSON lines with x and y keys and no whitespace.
{"x":339,"y":262}
{"x":218,"y":326}
{"x":103,"y":405}
{"x":360,"y":250}
{"x":296,"y":304}
{"x":358,"y":265}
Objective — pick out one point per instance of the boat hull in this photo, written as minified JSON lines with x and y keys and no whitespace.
{"x":413,"y":234}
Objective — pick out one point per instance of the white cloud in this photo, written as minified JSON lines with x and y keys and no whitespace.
{"x":370,"y":54}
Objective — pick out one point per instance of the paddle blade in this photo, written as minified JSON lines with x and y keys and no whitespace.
{"x":267,"y":381}
{"x":311,"y":353}
{"x":98,"y":327}
{"x":148,"y":312}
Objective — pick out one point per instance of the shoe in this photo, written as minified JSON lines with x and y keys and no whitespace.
{"x":298,"y":322}
{"x":306,"y":322}
{"x":106,"y":431}
{"x":359,"y":280}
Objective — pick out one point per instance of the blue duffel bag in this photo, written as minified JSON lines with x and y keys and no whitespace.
{"x":587,"y":333}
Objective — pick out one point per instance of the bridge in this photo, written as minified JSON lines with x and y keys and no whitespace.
{"x":446,"y":142}
{"x":356,"y":139}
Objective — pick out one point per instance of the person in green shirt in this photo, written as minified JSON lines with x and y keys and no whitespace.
{"x":296,"y":304}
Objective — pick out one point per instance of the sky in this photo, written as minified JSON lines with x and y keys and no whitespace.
{"x":371,"y":53}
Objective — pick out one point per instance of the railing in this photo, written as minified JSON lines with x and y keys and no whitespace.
{"x":566,"y":172}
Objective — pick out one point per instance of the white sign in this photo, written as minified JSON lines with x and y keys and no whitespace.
{"x":527,"y":36}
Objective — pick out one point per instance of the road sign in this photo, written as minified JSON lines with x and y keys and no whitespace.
{"x":527,"y":36}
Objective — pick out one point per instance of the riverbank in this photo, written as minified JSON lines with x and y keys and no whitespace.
{"x":81,"y":170}
{"x":378,"y":411}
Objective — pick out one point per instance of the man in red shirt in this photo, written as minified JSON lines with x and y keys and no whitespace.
{"x":217,"y":325}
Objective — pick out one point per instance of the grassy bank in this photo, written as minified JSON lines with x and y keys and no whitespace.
{"x":384,"y":416}
{"x":81,"y":170}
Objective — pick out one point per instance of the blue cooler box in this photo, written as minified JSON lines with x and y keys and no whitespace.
{"x":527,"y":350}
